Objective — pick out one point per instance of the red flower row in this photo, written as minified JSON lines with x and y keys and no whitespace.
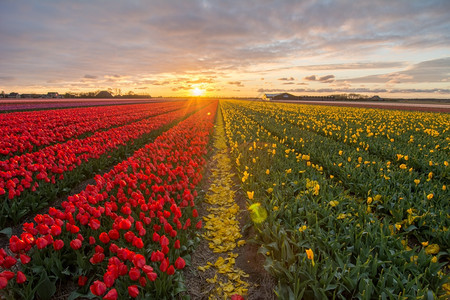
{"x":143,"y":205}
{"x":50,"y":163}
{"x":21,"y":132}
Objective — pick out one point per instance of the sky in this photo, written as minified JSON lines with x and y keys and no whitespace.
{"x":227,"y":48}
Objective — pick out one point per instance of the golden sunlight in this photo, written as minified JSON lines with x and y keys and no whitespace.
{"x":197,"y":91}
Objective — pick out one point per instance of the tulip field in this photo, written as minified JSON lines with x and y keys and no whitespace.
{"x":348,"y":202}
{"x":344,"y":202}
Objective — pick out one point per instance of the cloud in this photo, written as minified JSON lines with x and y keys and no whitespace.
{"x":280,"y":90}
{"x":287,"y":79}
{"x":437,"y":70}
{"x":327,"y":78}
{"x":201,"y":80}
{"x":179,"y":88}
{"x":154,"y":82}
{"x":354,"y":66}
{"x":43,"y":40}
{"x":7,"y":78}
{"x":323,"y":79}
{"x":343,"y":66}
{"x":310,"y":78}
{"x":237,"y":83}
{"x":359,"y":90}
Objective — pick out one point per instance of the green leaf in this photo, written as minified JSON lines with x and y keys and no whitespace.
{"x":75,"y":295}
{"x":7,"y":231}
{"x":46,"y":288}
{"x":331,"y":287}
{"x":411,"y":228}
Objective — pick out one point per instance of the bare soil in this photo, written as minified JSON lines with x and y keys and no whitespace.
{"x":261,"y":283}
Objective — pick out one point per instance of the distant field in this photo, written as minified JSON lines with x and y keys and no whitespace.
{"x":434,"y":107}
{"x":36,"y":104}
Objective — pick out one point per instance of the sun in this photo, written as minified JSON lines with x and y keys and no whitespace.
{"x":197,"y":91}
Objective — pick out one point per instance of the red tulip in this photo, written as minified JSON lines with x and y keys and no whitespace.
{"x":133,"y":291}
{"x":41,"y":243}
{"x":104,"y":238}
{"x":55,"y":230}
{"x":82,"y":280}
{"x":58,"y":244}
{"x":21,"y":278}
{"x":156,"y":237}
{"x":3,"y":282}
{"x":98,"y":288}
{"x":9,"y":262}
{"x":139,"y":261}
{"x":114,"y":234}
{"x":94,"y":224}
{"x":125,"y":224}
{"x":123,"y":269}
{"x":7,"y":274}
{"x":170,"y":270}
{"x":15,"y":244}
{"x":151,"y":276}
{"x":138,"y":243}
{"x":111,"y":295}
{"x":134,"y":273}
{"x":109,"y":279}
{"x":164,"y":241}
{"x":199,"y":225}
{"x":129,"y":236}
{"x":164,"y":265}
{"x":75,"y":244}
{"x":24,"y":259}
{"x":180,"y":263}
{"x":143,"y":281}
{"x":97,"y":258}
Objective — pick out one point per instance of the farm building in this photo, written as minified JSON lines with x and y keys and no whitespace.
{"x":104,"y":94}
{"x":282,"y":96}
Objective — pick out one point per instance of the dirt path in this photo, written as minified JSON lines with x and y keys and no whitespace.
{"x":225,"y":263}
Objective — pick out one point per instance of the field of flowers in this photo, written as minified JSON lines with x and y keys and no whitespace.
{"x":128,"y":234}
{"x":348,"y":202}
{"x":345,"y":203}
{"x":67,"y":146}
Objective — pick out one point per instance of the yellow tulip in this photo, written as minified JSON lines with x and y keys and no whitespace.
{"x":310,"y":255}
{"x":432,"y":249}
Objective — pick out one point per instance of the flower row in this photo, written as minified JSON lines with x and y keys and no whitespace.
{"x":318,"y":239}
{"x":413,"y":139}
{"x":410,"y":198}
{"x":51,"y":163}
{"x":23,"y":132}
{"x":22,"y":105}
{"x":125,"y":236}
